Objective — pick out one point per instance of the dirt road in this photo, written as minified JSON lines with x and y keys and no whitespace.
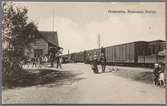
{"x":87,"y":88}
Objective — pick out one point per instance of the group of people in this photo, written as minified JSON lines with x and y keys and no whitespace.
{"x":36,"y":61}
{"x":159,"y":74}
{"x":40,"y":61}
{"x":94,"y":63}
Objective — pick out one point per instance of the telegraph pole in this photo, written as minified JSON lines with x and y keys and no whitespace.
{"x":68,"y":51}
{"x":98,"y":41}
{"x":52,"y":50}
{"x":53,"y":20}
{"x":69,"y":54}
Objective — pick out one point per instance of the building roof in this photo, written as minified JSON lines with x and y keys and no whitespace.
{"x":156,"y":41}
{"x":50,"y":36}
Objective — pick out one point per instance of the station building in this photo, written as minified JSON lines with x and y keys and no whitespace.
{"x":41,"y":46}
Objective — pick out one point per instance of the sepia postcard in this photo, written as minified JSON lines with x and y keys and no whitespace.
{"x":83,"y":53}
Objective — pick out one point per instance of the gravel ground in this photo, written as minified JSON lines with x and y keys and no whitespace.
{"x":85,"y":87}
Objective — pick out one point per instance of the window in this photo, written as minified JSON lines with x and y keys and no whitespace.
{"x":38,"y":52}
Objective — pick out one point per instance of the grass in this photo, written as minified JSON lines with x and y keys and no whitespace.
{"x":33,"y":77}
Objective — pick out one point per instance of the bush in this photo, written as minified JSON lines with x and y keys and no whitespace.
{"x":13,"y":74}
{"x":16,"y":76}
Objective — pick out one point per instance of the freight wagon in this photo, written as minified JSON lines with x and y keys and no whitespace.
{"x":125,"y":54}
{"x":90,"y":54}
{"x":149,"y":60}
{"x":79,"y":57}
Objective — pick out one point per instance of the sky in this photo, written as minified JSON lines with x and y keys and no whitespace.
{"x":79,"y":24}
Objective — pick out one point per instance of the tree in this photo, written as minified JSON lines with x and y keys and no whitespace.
{"x":18,"y":34}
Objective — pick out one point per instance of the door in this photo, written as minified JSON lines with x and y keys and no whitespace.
{"x":38,"y":52}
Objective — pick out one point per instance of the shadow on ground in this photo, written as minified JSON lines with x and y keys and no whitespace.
{"x":47,"y":77}
{"x":137,"y":75}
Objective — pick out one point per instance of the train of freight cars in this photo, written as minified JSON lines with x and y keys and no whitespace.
{"x":139,"y":53}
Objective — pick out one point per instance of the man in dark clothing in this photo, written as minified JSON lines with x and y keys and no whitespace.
{"x":39,"y":61}
{"x":94,"y":64}
{"x":33,"y":60}
{"x":103,"y":62}
{"x":156,"y":74}
{"x":52,"y":55}
{"x":59,"y":61}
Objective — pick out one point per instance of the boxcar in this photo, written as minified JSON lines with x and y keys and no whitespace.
{"x":77,"y":57}
{"x":80,"y":57}
{"x":120,"y":54}
{"x":150,"y":60}
{"x":155,"y":46}
{"x":125,"y":54}
{"x":89,"y":55}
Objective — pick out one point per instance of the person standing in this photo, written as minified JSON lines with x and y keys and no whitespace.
{"x":162,"y":74}
{"x":33,"y":60}
{"x":156,"y":74}
{"x":59,"y":61}
{"x":94,"y":64}
{"x":103,"y":62}
{"x":45,"y":59}
{"x":39,"y":61}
